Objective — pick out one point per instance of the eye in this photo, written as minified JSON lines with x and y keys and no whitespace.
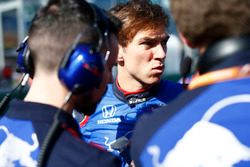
{"x":148,"y":43}
{"x":164,"y":41}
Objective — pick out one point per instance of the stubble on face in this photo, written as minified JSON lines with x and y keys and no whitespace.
{"x":144,"y":57}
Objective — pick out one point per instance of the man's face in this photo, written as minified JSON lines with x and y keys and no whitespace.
{"x":89,"y":100}
{"x":143,"y":58}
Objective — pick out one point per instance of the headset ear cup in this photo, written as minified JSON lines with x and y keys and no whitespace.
{"x":82,"y":70}
{"x":28,"y":62}
{"x":82,"y":67}
{"x":24,"y":60}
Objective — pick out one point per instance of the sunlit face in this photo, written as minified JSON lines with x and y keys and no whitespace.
{"x":88,"y":101}
{"x":142,"y":60}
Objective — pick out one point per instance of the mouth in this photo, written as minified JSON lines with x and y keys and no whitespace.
{"x":158,"y":69}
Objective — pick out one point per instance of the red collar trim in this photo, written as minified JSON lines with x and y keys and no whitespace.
{"x":84,"y":121}
{"x":126,"y":93}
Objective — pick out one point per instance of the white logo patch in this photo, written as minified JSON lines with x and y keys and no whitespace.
{"x":206,"y":144}
{"x":109,"y":143}
{"x":15,"y":149}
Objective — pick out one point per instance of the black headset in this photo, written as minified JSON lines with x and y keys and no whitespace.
{"x":82,"y":66}
{"x":24,"y":61}
{"x":225,"y":53}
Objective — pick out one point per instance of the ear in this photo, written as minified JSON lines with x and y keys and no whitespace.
{"x":121,"y":52}
{"x":186,"y":41}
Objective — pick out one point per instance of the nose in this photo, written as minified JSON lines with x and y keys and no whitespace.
{"x":160,"y":51}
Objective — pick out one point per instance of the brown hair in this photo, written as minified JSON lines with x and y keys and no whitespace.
{"x":203,"y":22}
{"x":137,"y":15}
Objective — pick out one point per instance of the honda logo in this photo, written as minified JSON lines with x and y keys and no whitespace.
{"x":108,"y":111}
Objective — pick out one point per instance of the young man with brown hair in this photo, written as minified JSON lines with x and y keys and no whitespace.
{"x":138,"y":87}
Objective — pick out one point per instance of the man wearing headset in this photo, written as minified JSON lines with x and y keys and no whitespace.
{"x":209,"y":124}
{"x":70,"y":49}
{"x":138,"y":87}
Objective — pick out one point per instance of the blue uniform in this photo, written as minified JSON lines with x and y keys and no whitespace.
{"x":22,"y":132}
{"x":206,"y":126}
{"x":116,"y":114}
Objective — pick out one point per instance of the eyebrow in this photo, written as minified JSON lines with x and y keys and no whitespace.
{"x":159,"y":38}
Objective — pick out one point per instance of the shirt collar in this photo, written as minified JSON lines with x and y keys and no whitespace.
{"x":133,"y":98}
{"x":39,"y":112}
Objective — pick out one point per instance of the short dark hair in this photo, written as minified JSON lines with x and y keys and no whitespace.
{"x":55,"y":27}
{"x":137,"y":15}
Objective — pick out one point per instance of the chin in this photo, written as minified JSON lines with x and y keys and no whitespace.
{"x":154,"y":80}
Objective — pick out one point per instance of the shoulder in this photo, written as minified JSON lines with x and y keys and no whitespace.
{"x":168,"y":90}
{"x":109,"y":93}
{"x":108,"y":97}
{"x":167,"y":84}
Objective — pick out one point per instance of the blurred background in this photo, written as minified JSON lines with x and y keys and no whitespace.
{"x":15,"y":19}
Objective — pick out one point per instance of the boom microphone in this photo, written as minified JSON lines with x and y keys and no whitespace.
{"x":6,"y":99}
{"x":185,"y":69}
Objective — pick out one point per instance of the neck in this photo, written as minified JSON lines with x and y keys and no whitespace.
{"x":47,"y":89}
{"x":128,"y":83}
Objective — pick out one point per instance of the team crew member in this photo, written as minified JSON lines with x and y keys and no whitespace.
{"x":69,"y":38}
{"x":209,"y":124}
{"x":138,"y":87}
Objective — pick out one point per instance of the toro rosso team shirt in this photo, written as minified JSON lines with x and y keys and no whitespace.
{"x":111,"y":126}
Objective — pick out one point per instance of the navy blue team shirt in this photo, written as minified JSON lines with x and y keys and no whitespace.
{"x":23,"y":129}
{"x":206,"y":126}
{"x":112,"y":124}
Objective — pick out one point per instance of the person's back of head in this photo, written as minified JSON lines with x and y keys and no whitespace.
{"x":204,"y":22}
{"x":55,"y":28}
{"x":71,"y":49}
{"x":138,"y":15}
{"x":219,"y":29}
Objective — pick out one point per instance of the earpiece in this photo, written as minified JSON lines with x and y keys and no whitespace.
{"x":221,"y":51}
{"x":24,"y":60}
{"x":82,"y":67}
{"x":25,"y":66}
{"x":185,"y":69}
